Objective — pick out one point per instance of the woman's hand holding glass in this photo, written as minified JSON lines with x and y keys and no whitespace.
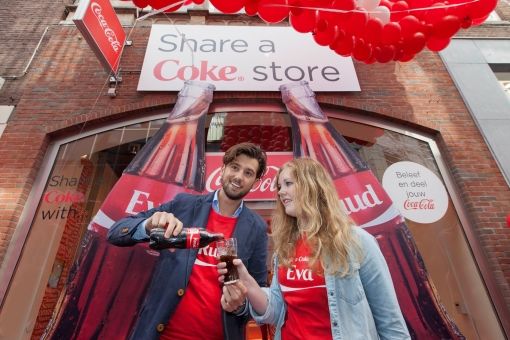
{"x":235,"y":294}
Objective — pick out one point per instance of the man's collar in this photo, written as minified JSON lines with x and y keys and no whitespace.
{"x":216,"y":205}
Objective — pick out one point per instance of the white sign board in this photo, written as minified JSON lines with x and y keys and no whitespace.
{"x":241,"y":58}
{"x":416,"y":191}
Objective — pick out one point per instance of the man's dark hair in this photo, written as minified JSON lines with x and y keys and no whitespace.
{"x":249,"y":149}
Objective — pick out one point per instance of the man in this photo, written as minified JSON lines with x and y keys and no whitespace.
{"x":183,"y":300}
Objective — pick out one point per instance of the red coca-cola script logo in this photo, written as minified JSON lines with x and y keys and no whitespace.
{"x":265,"y":189}
{"x":193,"y":238}
{"x":424,"y":204}
{"x":108,"y":32}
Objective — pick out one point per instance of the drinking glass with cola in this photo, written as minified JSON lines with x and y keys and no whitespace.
{"x":227,"y":251}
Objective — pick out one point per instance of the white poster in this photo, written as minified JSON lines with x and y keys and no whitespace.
{"x":241,"y":58}
{"x":416,"y":191}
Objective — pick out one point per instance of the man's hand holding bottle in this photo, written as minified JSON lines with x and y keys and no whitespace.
{"x":164,"y":220}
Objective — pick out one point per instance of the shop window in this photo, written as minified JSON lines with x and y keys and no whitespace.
{"x":85,"y":170}
{"x":502,"y":73}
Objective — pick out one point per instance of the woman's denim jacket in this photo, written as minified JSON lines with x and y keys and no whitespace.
{"x":362,"y":305}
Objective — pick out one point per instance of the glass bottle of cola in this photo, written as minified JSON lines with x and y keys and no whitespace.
{"x":188,"y":238}
{"x":102,"y":300}
{"x":366,"y":202}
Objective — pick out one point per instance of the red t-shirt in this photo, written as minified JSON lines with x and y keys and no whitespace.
{"x":198,"y":315}
{"x":304,"y":292}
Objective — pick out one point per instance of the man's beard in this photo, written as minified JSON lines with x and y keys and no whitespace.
{"x":233,"y":195}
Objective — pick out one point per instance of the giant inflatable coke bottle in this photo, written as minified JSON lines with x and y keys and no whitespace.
{"x":108,"y":283}
{"x":366,"y":202}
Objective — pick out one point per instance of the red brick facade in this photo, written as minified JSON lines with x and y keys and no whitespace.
{"x":64,"y":92}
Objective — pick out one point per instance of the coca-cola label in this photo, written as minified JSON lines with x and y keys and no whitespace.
{"x":265,"y":189}
{"x":193,"y":238}
{"x":417,"y":191}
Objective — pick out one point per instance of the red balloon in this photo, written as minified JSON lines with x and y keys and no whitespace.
{"x":357,"y":22}
{"x":427,"y":29}
{"x":466,"y":22}
{"x":437,"y":44}
{"x":340,"y":9}
{"x":398,"y":10}
{"x":386,"y":3}
{"x":416,"y":43}
{"x":228,"y":6}
{"x":406,"y":57}
{"x":446,"y":27}
{"x":479,"y":21}
{"x":373,"y":32}
{"x":508,"y":220}
{"x":273,"y":14}
{"x":384,"y":54}
{"x":344,"y":46}
{"x":391,"y":33}
{"x":303,"y":22}
{"x":419,"y":3}
{"x":370,"y":60}
{"x":361,"y":50}
{"x":141,"y":3}
{"x":251,"y":7}
{"x":482,"y":9}
{"x":325,"y":33}
{"x":409,"y":25}
{"x":399,"y":52}
{"x":340,"y":34}
{"x":435,"y":13}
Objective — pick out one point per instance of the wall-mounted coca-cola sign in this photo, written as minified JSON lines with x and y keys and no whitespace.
{"x":99,"y":24}
{"x":253,"y":58}
{"x":265,"y":189}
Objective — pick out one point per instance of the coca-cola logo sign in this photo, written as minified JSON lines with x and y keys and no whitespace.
{"x":108,"y":32}
{"x":416,"y":191}
{"x":265,"y":189}
{"x":100,"y":26}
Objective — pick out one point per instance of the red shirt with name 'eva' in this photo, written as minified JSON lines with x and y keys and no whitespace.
{"x":304,"y":292}
{"x":198,"y":315}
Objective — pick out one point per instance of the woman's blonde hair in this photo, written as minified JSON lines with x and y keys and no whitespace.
{"x":325,"y":226}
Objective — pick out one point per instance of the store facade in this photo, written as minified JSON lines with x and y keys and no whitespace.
{"x":68,"y":142}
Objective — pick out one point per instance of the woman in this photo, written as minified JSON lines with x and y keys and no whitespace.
{"x":330,"y":279}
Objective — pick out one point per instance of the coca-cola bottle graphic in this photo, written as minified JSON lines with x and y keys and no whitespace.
{"x":366,"y":202}
{"x":104,"y":295}
{"x":188,"y":238}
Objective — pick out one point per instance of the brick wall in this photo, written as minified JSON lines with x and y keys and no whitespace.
{"x":64,"y":92}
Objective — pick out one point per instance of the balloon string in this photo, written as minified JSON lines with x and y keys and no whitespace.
{"x":365,"y":11}
{"x":175,"y":4}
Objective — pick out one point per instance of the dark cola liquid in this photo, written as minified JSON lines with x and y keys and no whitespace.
{"x":232,"y":275}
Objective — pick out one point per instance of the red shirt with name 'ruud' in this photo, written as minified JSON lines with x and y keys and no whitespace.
{"x":198,"y":315}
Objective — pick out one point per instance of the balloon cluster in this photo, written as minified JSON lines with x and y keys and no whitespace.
{"x":368,"y":30}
